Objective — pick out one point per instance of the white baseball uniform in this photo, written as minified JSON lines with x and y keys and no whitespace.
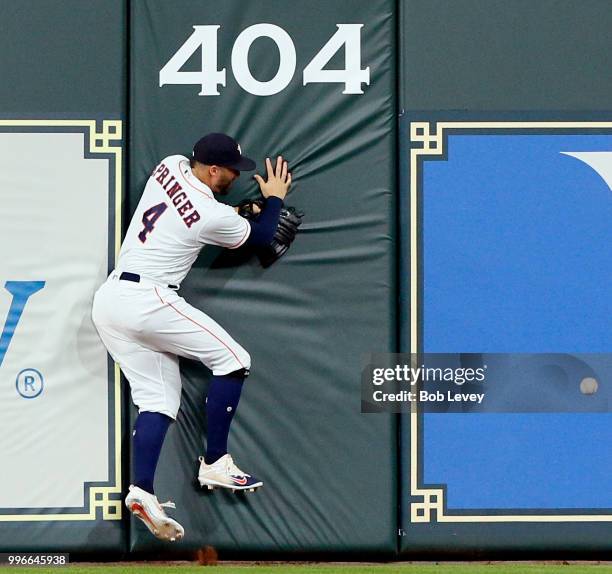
{"x":146,"y":324}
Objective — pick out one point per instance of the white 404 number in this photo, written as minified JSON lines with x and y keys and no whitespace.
{"x":210,"y":78}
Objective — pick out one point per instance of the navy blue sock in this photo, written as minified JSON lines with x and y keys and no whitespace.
{"x":221,"y":403}
{"x":148,"y":437}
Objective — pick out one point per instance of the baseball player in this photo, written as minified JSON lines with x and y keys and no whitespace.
{"x":146,"y":325}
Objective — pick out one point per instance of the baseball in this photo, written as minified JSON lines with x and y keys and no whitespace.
{"x":588,"y":386}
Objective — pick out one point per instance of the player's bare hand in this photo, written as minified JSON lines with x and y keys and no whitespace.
{"x":279,"y":179}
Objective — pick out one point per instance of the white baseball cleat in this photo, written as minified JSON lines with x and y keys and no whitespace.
{"x":145,"y":506}
{"x":225,"y":474}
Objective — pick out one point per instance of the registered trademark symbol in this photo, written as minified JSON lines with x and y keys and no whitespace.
{"x":29,"y":383}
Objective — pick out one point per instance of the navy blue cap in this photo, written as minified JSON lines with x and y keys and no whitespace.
{"x":221,"y":150}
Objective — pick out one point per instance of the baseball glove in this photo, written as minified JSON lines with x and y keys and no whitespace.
{"x":250,"y":208}
{"x":288,"y":222}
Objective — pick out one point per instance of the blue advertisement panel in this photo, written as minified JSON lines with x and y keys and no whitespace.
{"x":510,"y":253}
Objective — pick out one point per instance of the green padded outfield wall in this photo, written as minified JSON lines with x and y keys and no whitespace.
{"x":62,"y":103}
{"x":520,"y":55}
{"x":329,"y":471}
{"x":504,"y":112}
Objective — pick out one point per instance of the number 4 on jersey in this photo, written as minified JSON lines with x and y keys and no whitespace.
{"x":149,"y":217}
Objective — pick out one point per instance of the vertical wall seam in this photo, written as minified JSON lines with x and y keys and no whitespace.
{"x":398,"y":252}
{"x":125,"y":222}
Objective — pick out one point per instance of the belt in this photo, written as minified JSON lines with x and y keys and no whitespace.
{"x":127,"y":276}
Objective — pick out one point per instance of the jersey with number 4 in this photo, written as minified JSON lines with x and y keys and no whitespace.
{"x":176,"y":216}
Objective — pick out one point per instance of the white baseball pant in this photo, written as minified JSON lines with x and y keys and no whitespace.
{"x":145,"y":326}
